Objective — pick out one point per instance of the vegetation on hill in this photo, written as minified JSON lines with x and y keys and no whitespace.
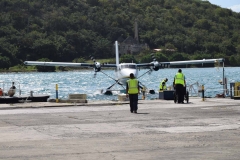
{"x":68,"y":30}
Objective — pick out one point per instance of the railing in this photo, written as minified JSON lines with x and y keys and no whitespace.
{"x":195,"y":90}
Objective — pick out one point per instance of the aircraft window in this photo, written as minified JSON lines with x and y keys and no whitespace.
{"x":129,"y":66}
{"x":132,"y":66}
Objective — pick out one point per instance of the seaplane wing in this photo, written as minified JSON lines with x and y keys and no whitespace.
{"x":197,"y":61}
{"x":68,"y":64}
{"x":65,"y":64}
{"x":155,"y":65}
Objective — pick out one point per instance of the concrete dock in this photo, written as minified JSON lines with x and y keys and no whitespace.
{"x":106,"y":130}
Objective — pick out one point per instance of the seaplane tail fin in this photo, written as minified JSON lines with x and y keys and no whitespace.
{"x":117,"y":53}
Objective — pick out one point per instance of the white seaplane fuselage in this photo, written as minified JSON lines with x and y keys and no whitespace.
{"x":124,"y":70}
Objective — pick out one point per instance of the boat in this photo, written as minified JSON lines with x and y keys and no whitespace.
{"x":13,"y":94}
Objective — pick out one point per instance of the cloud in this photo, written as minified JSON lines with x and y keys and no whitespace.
{"x":235,"y":8}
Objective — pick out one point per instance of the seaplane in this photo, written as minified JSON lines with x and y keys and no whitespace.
{"x":123,"y":70}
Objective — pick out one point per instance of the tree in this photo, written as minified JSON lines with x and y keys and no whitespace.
{"x":4,"y":62}
{"x":64,"y":30}
{"x":127,"y":58}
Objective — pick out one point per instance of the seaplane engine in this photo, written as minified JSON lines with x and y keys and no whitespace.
{"x":155,"y":66}
{"x":97,"y":67}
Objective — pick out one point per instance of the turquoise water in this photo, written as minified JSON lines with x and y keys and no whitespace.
{"x":83,"y":81}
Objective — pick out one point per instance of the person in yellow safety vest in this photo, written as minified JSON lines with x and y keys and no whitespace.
{"x":179,"y":83}
{"x":132,"y":90}
{"x":163,"y":85}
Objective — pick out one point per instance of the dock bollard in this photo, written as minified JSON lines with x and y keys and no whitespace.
{"x":57,"y":93}
{"x":202,"y":92}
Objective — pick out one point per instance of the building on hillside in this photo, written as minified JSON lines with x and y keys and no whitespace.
{"x":131,"y":45}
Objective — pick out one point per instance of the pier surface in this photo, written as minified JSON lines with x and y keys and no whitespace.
{"x":106,"y":130}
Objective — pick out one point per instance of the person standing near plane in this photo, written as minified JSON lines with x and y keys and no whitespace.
{"x":179,"y":83}
{"x":12,"y":90}
{"x":132,"y":90}
{"x":163,"y":85}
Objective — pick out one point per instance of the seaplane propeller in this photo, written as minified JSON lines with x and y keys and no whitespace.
{"x":158,"y":65}
{"x":155,"y":64}
{"x":97,"y":66}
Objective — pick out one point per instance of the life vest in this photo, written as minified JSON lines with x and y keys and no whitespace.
{"x":163,"y":85}
{"x":132,"y":86}
{"x":179,"y":78}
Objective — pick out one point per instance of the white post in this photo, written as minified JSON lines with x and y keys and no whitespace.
{"x":117,"y":54}
{"x":223,"y":82}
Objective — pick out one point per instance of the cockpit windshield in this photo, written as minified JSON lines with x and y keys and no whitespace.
{"x":128,"y":66}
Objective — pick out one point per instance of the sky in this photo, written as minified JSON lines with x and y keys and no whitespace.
{"x":234,"y":5}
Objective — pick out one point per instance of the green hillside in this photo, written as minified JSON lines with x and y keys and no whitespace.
{"x":64,"y":30}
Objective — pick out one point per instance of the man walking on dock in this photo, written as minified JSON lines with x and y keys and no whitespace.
{"x":132,"y":90}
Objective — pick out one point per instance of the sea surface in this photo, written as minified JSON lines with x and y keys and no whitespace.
{"x":83,"y":82}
